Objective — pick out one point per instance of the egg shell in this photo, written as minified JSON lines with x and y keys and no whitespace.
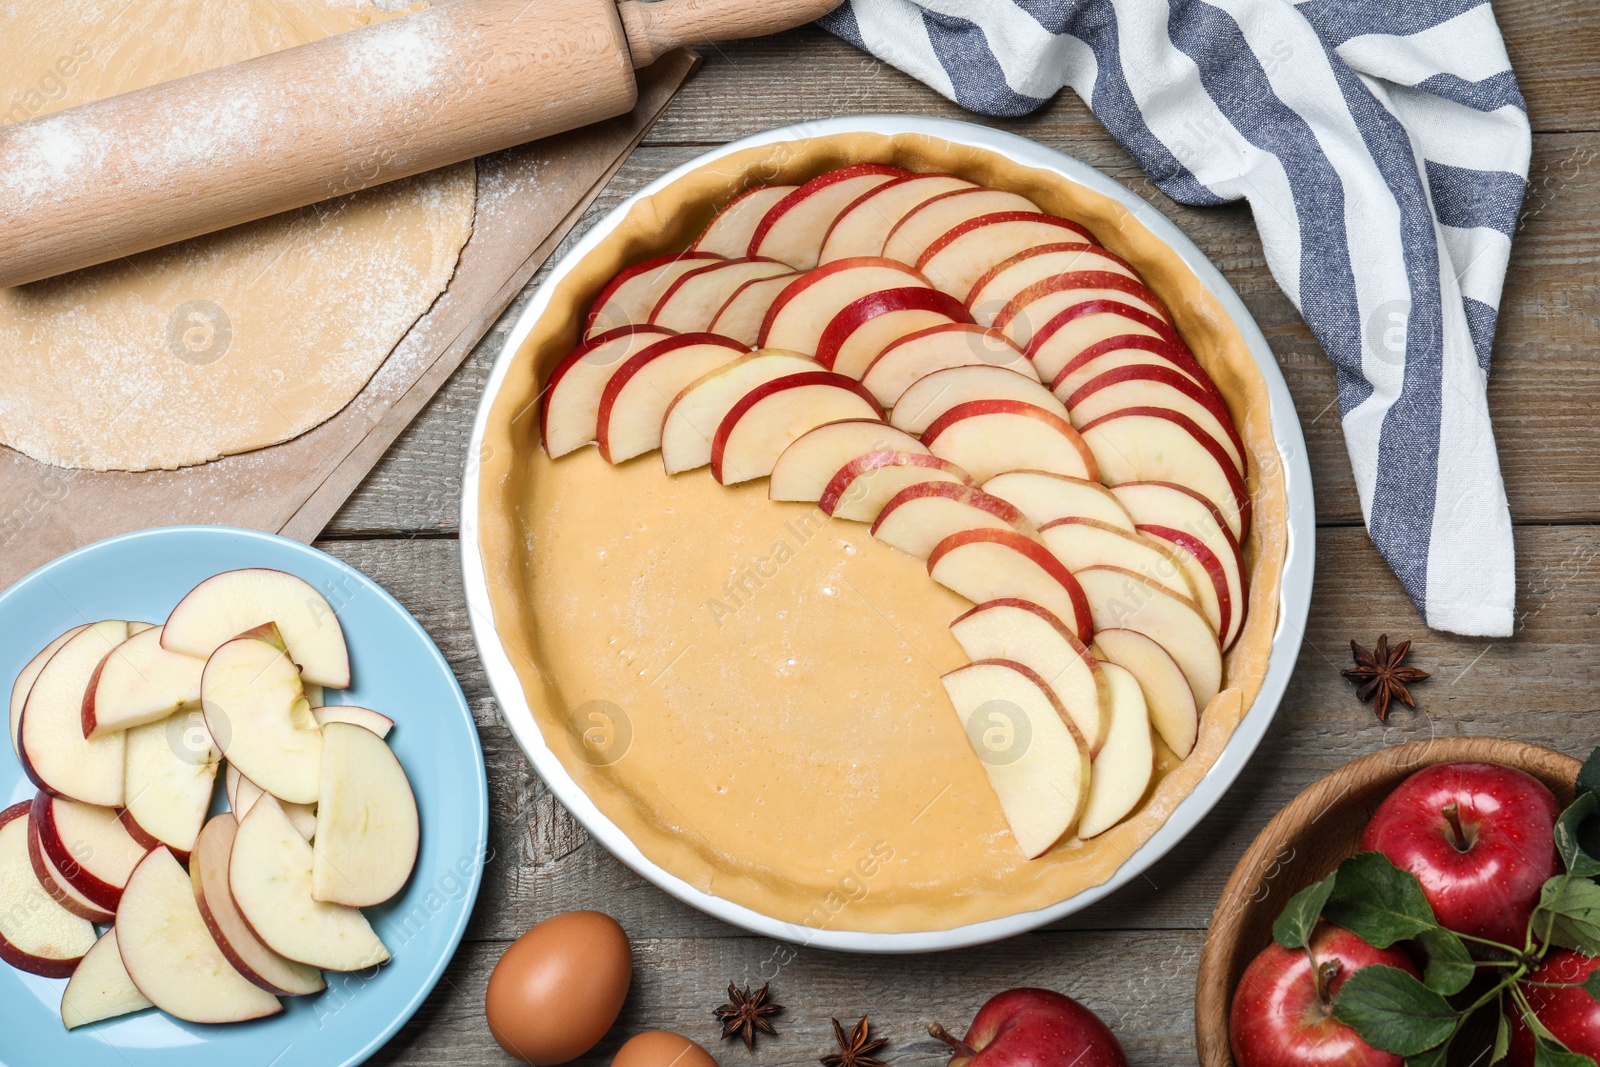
{"x":559,"y":987}
{"x":662,"y":1048}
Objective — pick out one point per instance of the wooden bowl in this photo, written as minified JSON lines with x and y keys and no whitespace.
{"x":1307,"y":839}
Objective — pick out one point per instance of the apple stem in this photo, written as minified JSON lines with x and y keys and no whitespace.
{"x":951,"y":1039}
{"x":1323,"y":974}
{"x":1458,"y":836}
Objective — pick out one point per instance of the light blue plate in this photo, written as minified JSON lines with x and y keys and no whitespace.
{"x":396,"y":670}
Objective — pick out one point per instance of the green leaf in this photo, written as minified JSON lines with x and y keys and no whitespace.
{"x":1502,"y":1039}
{"x":1450,"y":967}
{"x":1548,"y":1053}
{"x":1589,"y":775}
{"x":1377,"y":901}
{"x":1572,"y":835}
{"x":1591,"y":984}
{"x":1393,"y":1011}
{"x":1299,"y":917}
{"x":1571,"y":908}
{"x":1434,"y":1057}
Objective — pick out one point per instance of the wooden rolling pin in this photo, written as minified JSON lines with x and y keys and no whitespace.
{"x":121,"y":175}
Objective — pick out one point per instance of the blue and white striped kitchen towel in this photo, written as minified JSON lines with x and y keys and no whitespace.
{"x":1383,"y":147}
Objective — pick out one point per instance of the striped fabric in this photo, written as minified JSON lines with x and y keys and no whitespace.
{"x":1383,"y":147}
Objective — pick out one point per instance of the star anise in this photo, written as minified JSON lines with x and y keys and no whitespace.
{"x":855,"y":1050}
{"x":747,"y":1012}
{"x":1380,"y":674}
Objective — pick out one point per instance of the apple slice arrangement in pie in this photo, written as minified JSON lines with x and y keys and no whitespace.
{"x":123,"y":727}
{"x":994,"y":392}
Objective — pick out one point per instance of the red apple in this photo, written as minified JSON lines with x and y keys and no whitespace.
{"x":1478,"y":836}
{"x":1034,"y":1028}
{"x":1571,"y":1014}
{"x":1283,"y":1008}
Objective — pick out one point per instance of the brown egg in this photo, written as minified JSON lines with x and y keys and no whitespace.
{"x":559,"y":987}
{"x":662,"y":1048}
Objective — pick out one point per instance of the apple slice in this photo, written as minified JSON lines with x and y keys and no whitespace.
{"x":930,"y":220}
{"x":1166,"y":691}
{"x":956,"y":344}
{"x":1069,"y":334}
{"x":985,"y":565}
{"x":367,"y":826}
{"x":172,"y":767}
{"x":919,"y":516}
{"x":243,"y":794}
{"x":1022,"y":631}
{"x":729,"y":233}
{"x":691,"y":420}
{"x":57,"y":887}
{"x":861,"y":488}
{"x":866,"y":326}
{"x":635,"y":399}
{"x":88,"y":847}
{"x":633,"y":293}
{"x":1044,"y":300}
{"x":1034,"y":757}
{"x":693,"y":299}
{"x":170,"y":955}
{"x":801,"y":312}
{"x":990,"y":437}
{"x":773,"y":415}
{"x":740,"y":318}
{"x":100,"y":987}
{"x":226,"y":605}
{"x":1123,"y":767}
{"x":1081,"y":543}
{"x":934,"y":394}
{"x":139,"y":682}
{"x":792,"y":229}
{"x":208,"y":874}
{"x":37,"y":934}
{"x":378,"y":723}
{"x":1002,"y":282}
{"x":1158,"y":387}
{"x":862,"y":226}
{"x":1192,"y":525}
{"x":804,"y":469}
{"x":966,"y":252}
{"x":25,"y":679}
{"x":1119,"y":352}
{"x":1045,"y":497}
{"x":1157,"y":445}
{"x":53,"y":750}
{"x":257,"y":712}
{"x":1121,"y":599}
{"x":270,"y":876}
{"x":570,"y":409}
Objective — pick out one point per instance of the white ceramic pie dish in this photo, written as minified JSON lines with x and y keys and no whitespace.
{"x":1294,"y":585}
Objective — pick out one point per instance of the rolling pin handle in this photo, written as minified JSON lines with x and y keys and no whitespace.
{"x":654,"y":29}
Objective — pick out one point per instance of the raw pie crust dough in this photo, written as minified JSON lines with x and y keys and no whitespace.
{"x":128,"y":366}
{"x":792,"y":749}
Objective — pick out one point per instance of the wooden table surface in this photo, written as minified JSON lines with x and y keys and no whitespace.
{"x":1133,"y":957}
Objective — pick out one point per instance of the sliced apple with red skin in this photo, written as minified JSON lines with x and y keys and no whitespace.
{"x":792,"y":229}
{"x":773,"y":415}
{"x":139,"y":682}
{"x":998,"y":286}
{"x":930,"y":220}
{"x":1192,"y":525}
{"x":1167,"y":695}
{"x":985,"y":565}
{"x":243,"y":794}
{"x":37,"y":934}
{"x":172,"y":767}
{"x":56,"y":885}
{"x":989,"y":437}
{"x":800,"y":314}
{"x":1045,"y":497}
{"x":25,"y":679}
{"x":88,"y":846}
{"x":1121,"y":599}
{"x":1022,"y":631}
{"x":1119,"y":352}
{"x":934,"y":394}
{"x":570,"y":409}
{"x":804,"y":469}
{"x":863,"y":226}
{"x":690,"y":303}
{"x":208,"y":874}
{"x":729,"y":232}
{"x":51,"y":745}
{"x":635,"y":399}
{"x":957,"y":344}
{"x":270,"y":876}
{"x":966,"y":252}
{"x":100,"y":987}
{"x":741,"y":317}
{"x":1070,"y":333}
{"x":1035,"y":759}
{"x":866,"y":326}
{"x":860,"y":489}
{"x":170,"y":954}
{"x":1158,"y":445}
{"x":1158,"y":387}
{"x":633,"y":293}
{"x":226,"y":605}
{"x":256,"y":710}
{"x":377,"y":722}
{"x":367,"y":825}
{"x":1044,"y":300}
{"x":920,"y":516}
{"x":1081,"y":543}
{"x":692,"y":418}
{"x":1123,"y":767}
